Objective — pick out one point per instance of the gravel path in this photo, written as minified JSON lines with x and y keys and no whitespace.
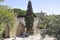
{"x":34,"y":37}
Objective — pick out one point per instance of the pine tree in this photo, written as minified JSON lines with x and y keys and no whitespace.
{"x":29,"y":19}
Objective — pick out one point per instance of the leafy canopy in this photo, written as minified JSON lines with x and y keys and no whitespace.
{"x":6,"y":17}
{"x":53,"y":26}
{"x":1,"y":0}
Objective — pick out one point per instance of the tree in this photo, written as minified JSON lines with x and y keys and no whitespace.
{"x":29,"y":18}
{"x":6,"y":17}
{"x":19,"y":12}
{"x":53,"y":26}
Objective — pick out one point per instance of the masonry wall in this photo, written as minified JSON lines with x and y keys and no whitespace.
{"x":19,"y":27}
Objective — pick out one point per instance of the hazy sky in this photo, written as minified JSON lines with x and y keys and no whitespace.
{"x":48,"y":6}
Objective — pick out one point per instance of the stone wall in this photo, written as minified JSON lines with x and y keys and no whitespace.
{"x":13,"y":29}
{"x":36,"y":21}
{"x":19,"y":27}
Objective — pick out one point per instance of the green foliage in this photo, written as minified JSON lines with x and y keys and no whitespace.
{"x":3,"y":7}
{"x":19,"y":12}
{"x":6,"y":17}
{"x":53,"y":26}
{"x":29,"y":19}
{"x":1,"y":0}
{"x":42,"y":25}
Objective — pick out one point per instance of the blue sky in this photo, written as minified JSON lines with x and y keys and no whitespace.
{"x":48,"y":6}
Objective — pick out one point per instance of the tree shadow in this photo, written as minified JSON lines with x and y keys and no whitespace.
{"x":23,"y":35}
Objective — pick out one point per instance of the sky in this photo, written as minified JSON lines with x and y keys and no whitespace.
{"x":48,"y":6}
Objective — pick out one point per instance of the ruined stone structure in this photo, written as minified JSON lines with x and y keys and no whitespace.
{"x":6,"y":32}
{"x":36,"y":21}
{"x":19,"y":27}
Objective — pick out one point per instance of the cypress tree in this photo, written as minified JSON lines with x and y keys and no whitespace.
{"x":29,"y":18}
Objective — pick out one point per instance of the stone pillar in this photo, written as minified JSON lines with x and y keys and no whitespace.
{"x":20,"y":29}
{"x":6,"y":33}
